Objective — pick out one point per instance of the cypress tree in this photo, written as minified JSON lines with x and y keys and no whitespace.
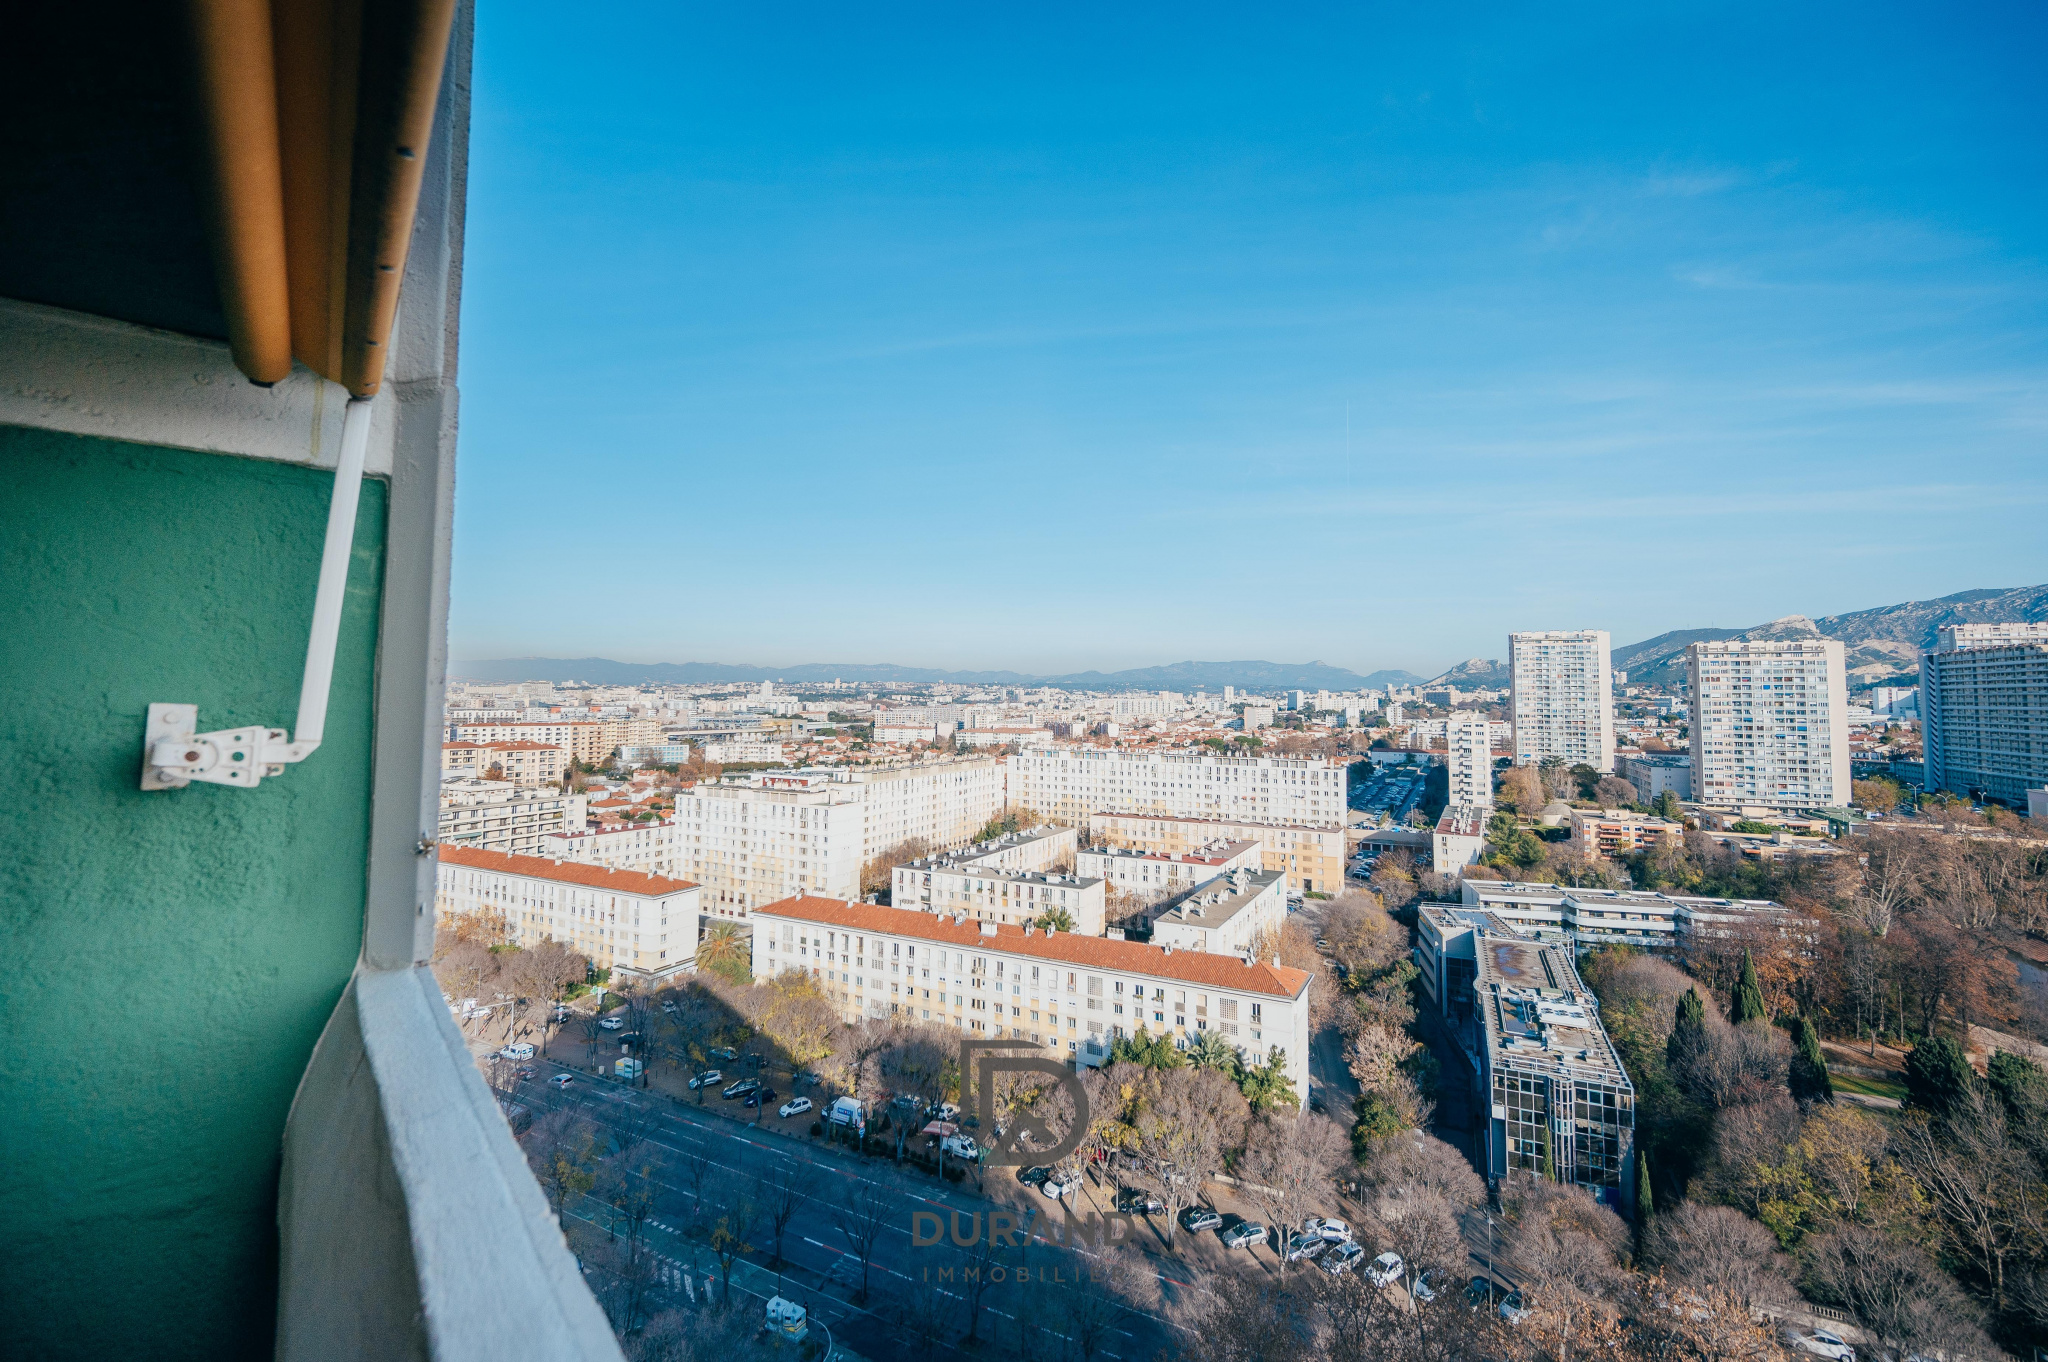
{"x":1688,"y":1033}
{"x":1749,"y":996}
{"x":1938,"y":1077}
{"x":1646,"y":1204}
{"x":1810,"y":1081}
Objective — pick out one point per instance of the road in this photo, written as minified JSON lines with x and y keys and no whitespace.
{"x":824,"y":1275}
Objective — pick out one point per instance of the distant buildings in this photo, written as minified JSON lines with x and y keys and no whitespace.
{"x":491,"y":815}
{"x":1154,"y":874}
{"x":1013,"y":879}
{"x":643,"y":925}
{"x":1074,"y":784}
{"x":527,"y":764}
{"x":1656,"y":773}
{"x":1470,"y":759}
{"x":1620,"y":832}
{"x":1459,"y":838}
{"x":1312,"y":857}
{"x":1561,"y":697}
{"x":1984,"y":711}
{"x":781,"y":834}
{"x":1769,"y":723}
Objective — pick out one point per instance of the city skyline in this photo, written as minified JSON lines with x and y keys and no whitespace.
{"x":1092,"y":303}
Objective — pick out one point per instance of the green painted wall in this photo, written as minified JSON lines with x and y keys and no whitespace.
{"x":166,"y":960}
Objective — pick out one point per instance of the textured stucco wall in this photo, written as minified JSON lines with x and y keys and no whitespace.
{"x":166,"y":960}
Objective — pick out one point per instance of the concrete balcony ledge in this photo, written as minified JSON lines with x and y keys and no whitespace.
{"x":409,"y":1224}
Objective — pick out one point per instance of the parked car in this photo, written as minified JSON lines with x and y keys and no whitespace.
{"x":1060,"y":1184}
{"x":798,"y":1080}
{"x":1386,"y":1269}
{"x":528,"y":1071}
{"x":1514,"y":1312}
{"x":706,"y":1079}
{"x":945,"y":1111}
{"x":727,"y":1053}
{"x":742,"y":1088}
{"x":1822,"y":1343}
{"x":1195,"y":1219}
{"x":1340,"y":1257}
{"x":611,"y":1023}
{"x":795,"y":1106}
{"x":1305,"y":1246}
{"x":760,"y":1097}
{"x":562,"y":1080}
{"x":1426,"y":1285}
{"x":961,"y":1146}
{"x":1244,"y":1234}
{"x":519,"y":1051}
{"x":668,"y":1005}
{"x":1035,"y":1176}
{"x":1135,"y":1201}
{"x":1329,"y":1227}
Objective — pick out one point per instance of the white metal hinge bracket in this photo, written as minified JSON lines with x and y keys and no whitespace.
{"x":174,"y":753}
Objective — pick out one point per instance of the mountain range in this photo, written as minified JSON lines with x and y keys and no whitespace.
{"x":1880,"y":643}
{"x":1180,"y":676}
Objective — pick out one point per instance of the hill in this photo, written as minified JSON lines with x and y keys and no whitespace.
{"x":1474,"y":673}
{"x":1181,"y":676}
{"x":1881,"y":642}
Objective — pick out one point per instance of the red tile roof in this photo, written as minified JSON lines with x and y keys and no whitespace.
{"x":1093,"y":952}
{"x":565,"y":872}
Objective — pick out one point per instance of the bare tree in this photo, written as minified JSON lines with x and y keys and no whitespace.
{"x":1895,"y":1290}
{"x":1094,"y":1314}
{"x":1192,"y":1116}
{"x":859,"y":1218}
{"x":1416,"y":1162}
{"x":1286,"y":1166}
{"x":732,"y":1233}
{"x":561,"y":1148}
{"x":1986,"y":1191}
{"x":1717,"y":1248}
{"x":783,"y":1194}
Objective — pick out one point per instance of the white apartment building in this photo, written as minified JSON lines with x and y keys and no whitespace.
{"x":1561,"y":697}
{"x":584,"y":740}
{"x":785,"y":833}
{"x":1656,"y":773}
{"x":520,"y":763}
{"x":1312,"y":858}
{"x":1156,"y":706}
{"x":496,"y":815}
{"x":1984,"y":711}
{"x":1469,"y":757}
{"x":1769,"y":723}
{"x":644,"y":925}
{"x":648,"y":848}
{"x":1071,"y":994}
{"x":1043,"y":848}
{"x":1073,"y":784}
{"x":1158,"y":874}
{"x":1950,"y":637}
{"x":1459,"y":837}
{"x":946,"y":886}
{"x":1225,"y":915}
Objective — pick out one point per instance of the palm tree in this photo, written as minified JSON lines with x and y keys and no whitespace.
{"x":725,"y":952}
{"x":1210,"y":1051}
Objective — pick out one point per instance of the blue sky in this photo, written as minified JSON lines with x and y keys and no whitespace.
{"x":1030,"y":337}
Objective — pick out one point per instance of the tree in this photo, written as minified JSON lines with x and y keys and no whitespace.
{"x":727,"y":953}
{"x":1286,"y":1164}
{"x":1612,"y":792}
{"x":561,"y":1148}
{"x":1688,"y":1042}
{"x":1267,"y":1086}
{"x":1748,"y":1003}
{"x":1646,"y":1201}
{"x":728,"y":1240}
{"x":1665,"y":806}
{"x":861,"y":1213}
{"x":1719,"y":1248}
{"x":1938,"y":1077}
{"x":783,"y":1194}
{"x":1895,"y":1291}
{"x":1191,"y":1117}
{"x":1809,"y":1075}
{"x":1055,"y":919}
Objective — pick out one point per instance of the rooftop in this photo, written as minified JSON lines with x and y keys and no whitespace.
{"x":1090,"y":952}
{"x":564,"y":872}
{"x":1538,"y":1016}
{"x":1216,"y":902}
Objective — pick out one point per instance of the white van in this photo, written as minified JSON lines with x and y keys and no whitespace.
{"x":520,"y":1051}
